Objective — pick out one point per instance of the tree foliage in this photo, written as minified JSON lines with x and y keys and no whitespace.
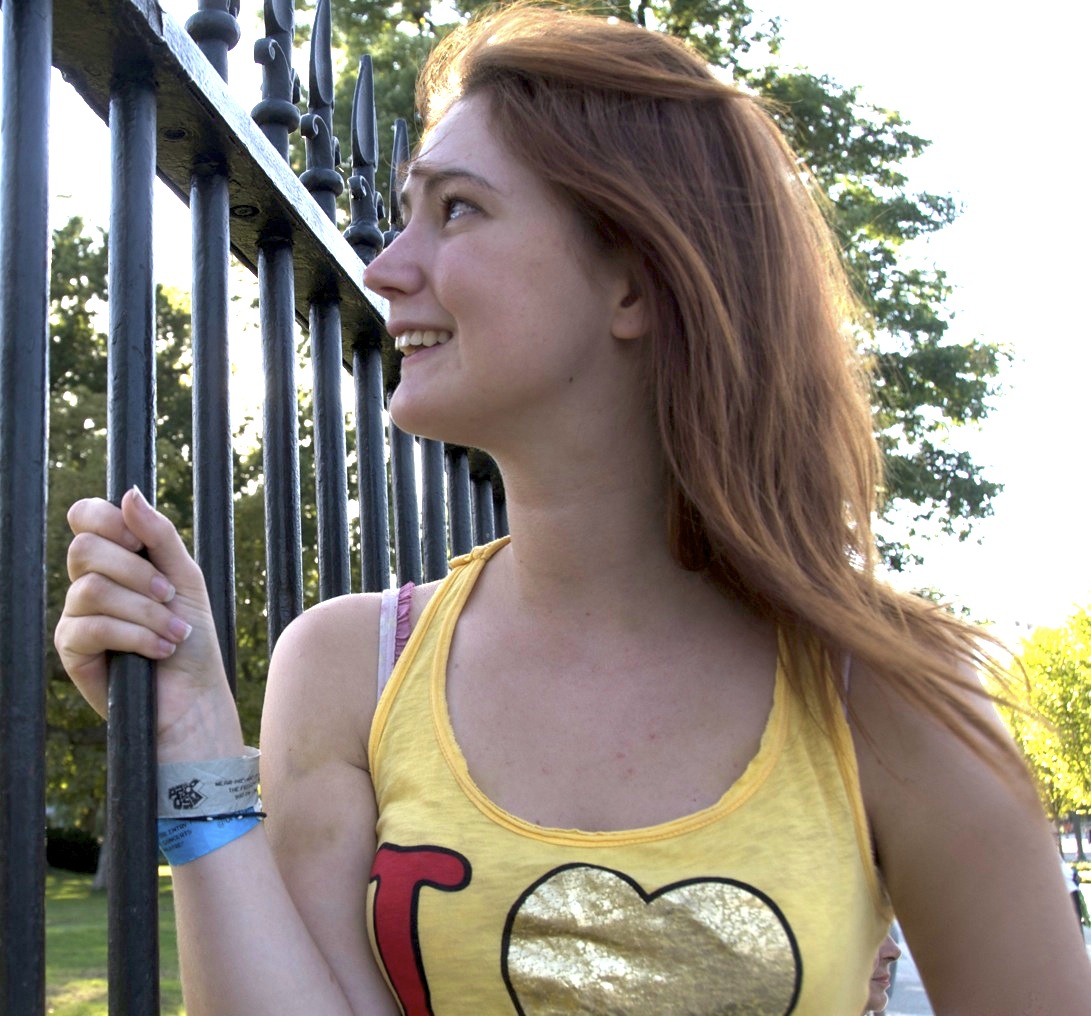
{"x":1057,"y":662}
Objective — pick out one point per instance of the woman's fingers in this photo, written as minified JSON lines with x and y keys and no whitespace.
{"x":91,"y":554}
{"x":95,"y":596}
{"x":155,"y":606}
{"x":132,"y":527}
{"x":164,"y":546}
{"x":80,"y":641}
{"x":95,"y":515}
{"x":99,"y":616}
{"x":120,"y":601}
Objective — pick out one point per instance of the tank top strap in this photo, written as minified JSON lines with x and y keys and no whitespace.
{"x":399,"y":645}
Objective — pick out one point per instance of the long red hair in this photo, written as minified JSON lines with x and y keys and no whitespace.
{"x":762,"y":402}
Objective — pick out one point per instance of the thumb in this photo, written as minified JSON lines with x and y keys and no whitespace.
{"x":161,"y":540}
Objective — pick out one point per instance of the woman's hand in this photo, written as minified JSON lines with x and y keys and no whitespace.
{"x":120,"y":601}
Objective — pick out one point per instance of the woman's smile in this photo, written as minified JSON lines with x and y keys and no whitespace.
{"x":412,"y":341}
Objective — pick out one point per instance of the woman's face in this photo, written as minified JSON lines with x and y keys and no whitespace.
{"x":503,"y":310}
{"x":879,"y":984}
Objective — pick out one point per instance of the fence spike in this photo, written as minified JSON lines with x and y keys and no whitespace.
{"x":277,"y":114}
{"x":363,"y":233}
{"x":323,"y":151}
{"x":398,"y":158}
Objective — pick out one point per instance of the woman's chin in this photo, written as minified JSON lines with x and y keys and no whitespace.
{"x":416,"y":416}
{"x":877,"y":1003}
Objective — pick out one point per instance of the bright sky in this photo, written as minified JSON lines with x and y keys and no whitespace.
{"x":997,"y":94}
{"x":1000,"y":99}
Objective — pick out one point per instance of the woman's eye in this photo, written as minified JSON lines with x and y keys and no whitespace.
{"x":455,"y":207}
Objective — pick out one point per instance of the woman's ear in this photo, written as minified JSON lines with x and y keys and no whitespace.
{"x":631,"y":312}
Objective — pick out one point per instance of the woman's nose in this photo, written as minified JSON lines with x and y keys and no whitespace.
{"x":397,"y":270}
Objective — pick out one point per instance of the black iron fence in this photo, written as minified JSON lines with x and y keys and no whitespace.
{"x":161,"y":88}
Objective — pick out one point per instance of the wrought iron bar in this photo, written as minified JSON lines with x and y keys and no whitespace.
{"x":365,"y":205}
{"x":365,"y":237}
{"x":500,"y":509}
{"x":331,"y":477}
{"x":324,"y":182}
{"x":321,"y":177}
{"x":407,"y":521}
{"x":367,"y":372}
{"x":277,"y":116}
{"x":24,"y":343}
{"x":484,"y":522}
{"x":280,"y":432}
{"x":215,"y":29}
{"x":459,"y":512}
{"x":406,"y":511}
{"x":213,"y":474}
{"x":433,"y":522}
{"x":133,"y":920}
{"x":434,"y":513}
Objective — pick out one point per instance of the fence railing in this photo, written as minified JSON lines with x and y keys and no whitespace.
{"x":161,"y":88}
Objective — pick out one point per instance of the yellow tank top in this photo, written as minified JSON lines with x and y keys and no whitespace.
{"x":767,"y":902}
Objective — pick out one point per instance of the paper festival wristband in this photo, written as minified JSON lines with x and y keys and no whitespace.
{"x":223,"y":786}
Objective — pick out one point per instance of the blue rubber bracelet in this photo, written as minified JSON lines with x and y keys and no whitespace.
{"x":182,"y":841}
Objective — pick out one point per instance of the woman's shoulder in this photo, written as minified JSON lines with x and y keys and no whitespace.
{"x":340,"y":636}
{"x":319,"y":697}
{"x":323,"y":671}
{"x":908,"y":741}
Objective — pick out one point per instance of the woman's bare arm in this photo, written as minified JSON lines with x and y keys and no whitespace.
{"x":308,"y":948}
{"x":273,"y":922}
{"x":970,"y":864}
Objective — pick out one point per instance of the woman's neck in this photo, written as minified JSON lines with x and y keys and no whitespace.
{"x":592,"y":539}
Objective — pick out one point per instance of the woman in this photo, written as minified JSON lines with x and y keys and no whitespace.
{"x":625,"y":762}
{"x":879,"y":985}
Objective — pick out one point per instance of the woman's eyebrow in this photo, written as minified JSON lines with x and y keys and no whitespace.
{"x":432,"y":176}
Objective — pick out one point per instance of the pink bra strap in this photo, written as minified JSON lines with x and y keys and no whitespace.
{"x":393,"y":632}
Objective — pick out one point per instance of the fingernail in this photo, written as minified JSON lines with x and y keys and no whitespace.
{"x":178,"y":629}
{"x":162,"y":590}
{"x":140,"y":498}
{"x":166,"y":648}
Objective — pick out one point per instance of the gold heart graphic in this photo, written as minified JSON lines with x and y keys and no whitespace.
{"x":585,"y":939}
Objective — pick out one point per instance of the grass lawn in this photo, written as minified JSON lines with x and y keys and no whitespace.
{"x":75,"y":969}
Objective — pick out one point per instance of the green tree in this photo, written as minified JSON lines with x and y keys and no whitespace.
{"x":927,"y":383}
{"x":1057,"y":663}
